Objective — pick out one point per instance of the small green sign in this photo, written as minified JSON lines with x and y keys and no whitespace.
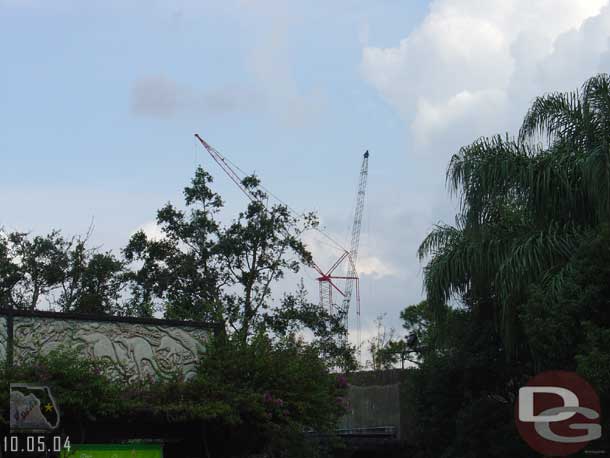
{"x":114,"y":451}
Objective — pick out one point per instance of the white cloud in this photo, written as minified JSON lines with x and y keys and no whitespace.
{"x":375,"y":267}
{"x":478,"y":107}
{"x":325,"y":253}
{"x":577,"y":53}
{"x":471,"y":67}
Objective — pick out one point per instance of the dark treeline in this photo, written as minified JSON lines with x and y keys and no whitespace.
{"x":527,"y":267}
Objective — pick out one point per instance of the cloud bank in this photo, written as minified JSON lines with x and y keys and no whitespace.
{"x":471,"y":67}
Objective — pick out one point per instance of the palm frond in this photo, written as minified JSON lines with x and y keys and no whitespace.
{"x":555,"y":114}
{"x":596,"y":94}
{"x":441,"y":236}
{"x":530,"y":256}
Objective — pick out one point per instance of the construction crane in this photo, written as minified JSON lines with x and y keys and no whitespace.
{"x":356,"y":227}
{"x":326,"y":279}
{"x":327,"y":285}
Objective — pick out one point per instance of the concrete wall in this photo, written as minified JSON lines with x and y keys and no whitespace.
{"x":372,"y":406}
{"x":379,"y":399}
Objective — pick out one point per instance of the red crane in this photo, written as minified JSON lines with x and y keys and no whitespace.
{"x":327,"y":280}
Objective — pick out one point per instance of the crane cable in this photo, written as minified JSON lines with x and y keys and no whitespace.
{"x":223,"y":161}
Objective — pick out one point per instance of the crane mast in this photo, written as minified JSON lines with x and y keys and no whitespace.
{"x":356,"y":227}
{"x":352,"y":281}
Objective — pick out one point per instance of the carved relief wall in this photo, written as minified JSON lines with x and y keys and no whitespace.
{"x":136,"y":350}
{"x":3,"y":338}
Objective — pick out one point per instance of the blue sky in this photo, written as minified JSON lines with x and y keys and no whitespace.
{"x":301,"y":114}
{"x":99,"y":102}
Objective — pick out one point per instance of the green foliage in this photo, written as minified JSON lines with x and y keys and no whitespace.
{"x":569,"y":310}
{"x":529,"y":260}
{"x":182,"y":269}
{"x":486,"y":427}
{"x":9,"y":272}
{"x":198,"y":269}
{"x":58,"y":272}
{"x":258,"y":396}
{"x":288,"y":370}
{"x":272,"y":392}
{"x":385,"y":350}
{"x":593,"y":362}
{"x":204,"y":271}
{"x":92,"y":282}
{"x":437,"y":331}
{"x":297,"y":314}
{"x":388,"y":355}
{"x":461,"y":395}
{"x":34,"y":267}
{"x":81,"y":386}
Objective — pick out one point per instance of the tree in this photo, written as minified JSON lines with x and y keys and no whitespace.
{"x":9,"y":272}
{"x":181,"y":273}
{"x":59,"y":273}
{"x":272,"y":391}
{"x":202,"y":270}
{"x":432,"y":332}
{"x":257,"y":249}
{"x":462,"y":390}
{"x":92,"y":281}
{"x":33,"y":267}
{"x":566,"y":327}
{"x":525,"y":209}
{"x":297,"y":315}
{"x":528,"y":260}
{"x":382,"y":346}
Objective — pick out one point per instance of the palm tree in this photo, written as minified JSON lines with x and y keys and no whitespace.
{"x":526,"y":203}
{"x":578,"y":125}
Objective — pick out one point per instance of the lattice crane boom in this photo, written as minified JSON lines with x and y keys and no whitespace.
{"x":352,"y":271}
{"x":222,"y":162}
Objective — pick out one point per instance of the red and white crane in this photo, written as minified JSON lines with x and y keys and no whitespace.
{"x":327,"y":280}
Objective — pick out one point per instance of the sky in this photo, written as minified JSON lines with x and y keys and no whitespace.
{"x":99,"y":102}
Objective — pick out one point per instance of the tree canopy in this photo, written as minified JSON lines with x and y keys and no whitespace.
{"x":525,"y":271}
